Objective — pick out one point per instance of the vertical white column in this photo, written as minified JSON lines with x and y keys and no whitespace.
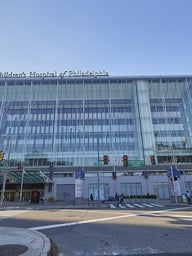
{"x":147,"y":132}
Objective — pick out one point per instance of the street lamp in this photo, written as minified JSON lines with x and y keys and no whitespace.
{"x":5,"y":176}
{"x":22,"y":179}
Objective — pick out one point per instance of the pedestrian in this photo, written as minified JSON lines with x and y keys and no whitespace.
{"x":91,"y":199}
{"x":117,"y":199}
{"x":188,"y":195}
{"x":121,"y":200}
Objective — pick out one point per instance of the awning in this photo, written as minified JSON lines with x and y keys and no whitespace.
{"x":14,"y":177}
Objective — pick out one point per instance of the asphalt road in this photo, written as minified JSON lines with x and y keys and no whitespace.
{"x":159,"y":231}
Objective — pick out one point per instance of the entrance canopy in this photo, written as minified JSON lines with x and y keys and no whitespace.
{"x":14,"y":177}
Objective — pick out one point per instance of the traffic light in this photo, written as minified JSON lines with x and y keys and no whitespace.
{"x":105,"y":159}
{"x":152,"y":158}
{"x":1,"y":155}
{"x":125,"y":160}
{"x":20,"y":167}
{"x":114,"y":175}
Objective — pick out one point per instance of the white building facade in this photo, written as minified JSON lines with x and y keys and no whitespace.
{"x":72,"y":122}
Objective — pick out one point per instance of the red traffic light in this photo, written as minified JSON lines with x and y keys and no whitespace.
{"x":152,"y":158}
{"x":105,"y":159}
{"x":125,"y":160}
{"x":1,"y":155}
{"x":20,"y":167}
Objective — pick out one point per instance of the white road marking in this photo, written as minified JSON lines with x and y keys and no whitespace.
{"x":158,"y":205}
{"x":106,"y":219}
{"x":112,"y":205}
{"x":81,"y":222}
{"x":130,"y":205}
{"x":139,"y":205}
{"x":122,"y":206}
{"x":148,"y":205}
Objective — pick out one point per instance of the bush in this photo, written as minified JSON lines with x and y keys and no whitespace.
{"x":148,"y":196}
{"x":51,"y":199}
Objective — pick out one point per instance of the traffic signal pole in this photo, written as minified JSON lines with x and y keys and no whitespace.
{"x":174,"y":186}
{"x":98,"y":172}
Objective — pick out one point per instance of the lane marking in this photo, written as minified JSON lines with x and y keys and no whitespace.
{"x":158,"y":205}
{"x":122,"y":206}
{"x":81,"y":222}
{"x":130,"y":205}
{"x":139,"y":205}
{"x":105,"y":219}
{"x":148,"y":205}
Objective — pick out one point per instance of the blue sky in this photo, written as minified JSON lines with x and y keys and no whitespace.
{"x":122,"y":37}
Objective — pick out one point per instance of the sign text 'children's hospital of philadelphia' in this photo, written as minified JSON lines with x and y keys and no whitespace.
{"x":70,"y":73}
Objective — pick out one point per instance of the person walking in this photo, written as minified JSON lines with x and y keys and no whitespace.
{"x":91,"y":199}
{"x":117,"y":199}
{"x":121,"y":200}
{"x":188,"y":195}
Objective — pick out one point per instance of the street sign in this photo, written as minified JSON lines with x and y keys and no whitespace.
{"x":136,"y":163}
{"x":98,"y":164}
{"x":79,"y":174}
{"x":172,"y":172}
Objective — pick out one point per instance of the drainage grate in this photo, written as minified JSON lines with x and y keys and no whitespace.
{"x":12,"y":249}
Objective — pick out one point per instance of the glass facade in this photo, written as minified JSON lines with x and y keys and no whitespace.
{"x":73,"y":120}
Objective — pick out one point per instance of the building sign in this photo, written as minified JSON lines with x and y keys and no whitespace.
{"x":63,"y":74}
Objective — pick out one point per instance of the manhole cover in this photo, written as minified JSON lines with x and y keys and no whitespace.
{"x":12,"y":249}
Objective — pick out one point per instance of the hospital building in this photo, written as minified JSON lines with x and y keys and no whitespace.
{"x":64,"y":137}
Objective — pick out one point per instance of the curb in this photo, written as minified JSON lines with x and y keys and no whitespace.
{"x":36,"y":242}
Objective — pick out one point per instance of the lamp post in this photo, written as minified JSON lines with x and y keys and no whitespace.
{"x":3,"y":188}
{"x":5,"y":176}
{"x":22,"y":179}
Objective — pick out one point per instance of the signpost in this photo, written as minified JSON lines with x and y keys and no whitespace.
{"x":79,"y":179}
{"x":173,"y":173}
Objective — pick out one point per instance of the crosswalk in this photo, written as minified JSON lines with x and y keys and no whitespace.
{"x":135,"y":205}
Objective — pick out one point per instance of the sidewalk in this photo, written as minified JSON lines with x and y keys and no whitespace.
{"x":19,"y":241}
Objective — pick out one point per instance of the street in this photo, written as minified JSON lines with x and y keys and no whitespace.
{"x":110,"y":231}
